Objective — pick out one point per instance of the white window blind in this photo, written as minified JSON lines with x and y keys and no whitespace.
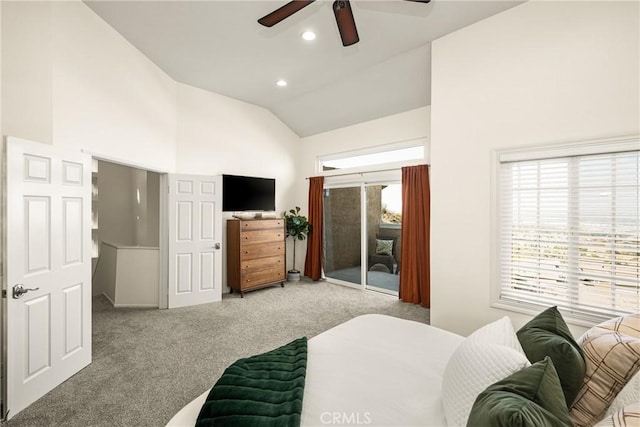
{"x":569,"y":232}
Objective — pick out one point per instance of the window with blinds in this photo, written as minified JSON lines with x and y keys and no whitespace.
{"x":569,"y":232}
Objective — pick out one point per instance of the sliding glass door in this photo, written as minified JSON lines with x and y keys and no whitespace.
{"x":384,"y":222}
{"x":342,"y":242}
{"x":362,"y":225}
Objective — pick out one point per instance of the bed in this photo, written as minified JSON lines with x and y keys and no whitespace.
{"x":372,"y":369}
{"x":380,"y":370}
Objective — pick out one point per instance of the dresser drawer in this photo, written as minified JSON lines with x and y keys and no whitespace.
{"x":259,"y":224}
{"x":258,"y":264}
{"x":255,"y":253}
{"x":257,"y":236}
{"x":261,"y":250}
{"x":269,"y":275}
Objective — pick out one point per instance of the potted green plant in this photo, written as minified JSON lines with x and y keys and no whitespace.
{"x":298,"y":228}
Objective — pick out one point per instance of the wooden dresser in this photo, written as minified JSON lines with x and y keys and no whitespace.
{"x":255,"y":254}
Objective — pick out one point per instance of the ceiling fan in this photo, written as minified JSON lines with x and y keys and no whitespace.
{"x":341,"y":9}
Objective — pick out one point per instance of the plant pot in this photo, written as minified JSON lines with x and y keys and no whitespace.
{"x":293,"y":275}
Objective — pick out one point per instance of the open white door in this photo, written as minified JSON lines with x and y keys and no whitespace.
{"x":48,"y":269}
{"x":195,"y":233}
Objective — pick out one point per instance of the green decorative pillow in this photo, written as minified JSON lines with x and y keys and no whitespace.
{"x":547,"y":334}
{"x":384,"y":247}
{"x":532,"y":397}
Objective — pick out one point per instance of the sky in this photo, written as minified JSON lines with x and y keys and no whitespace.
{"x":392,"y":197}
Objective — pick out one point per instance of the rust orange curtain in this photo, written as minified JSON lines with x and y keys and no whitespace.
{"x":313,"y":261}
{"x":415,"y":272}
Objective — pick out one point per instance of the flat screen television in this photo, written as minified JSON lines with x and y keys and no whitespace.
{"x":248,"y":193}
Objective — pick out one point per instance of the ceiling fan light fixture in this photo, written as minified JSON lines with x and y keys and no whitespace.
{"x":309,"y":35}
{"x":281,"y":83}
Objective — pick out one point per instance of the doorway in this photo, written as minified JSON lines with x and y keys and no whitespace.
{"x":362,"y":235}
{"x":56,"y":196}
{"x":125,"y":234}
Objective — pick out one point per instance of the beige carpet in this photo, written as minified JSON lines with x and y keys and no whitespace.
{"x":147,"y":364}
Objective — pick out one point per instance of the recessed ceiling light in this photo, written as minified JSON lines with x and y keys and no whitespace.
{"x":281,"y":83}
{"x":309,"y":35}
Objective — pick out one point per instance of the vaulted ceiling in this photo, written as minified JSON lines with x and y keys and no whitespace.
{"x":219,"y":46}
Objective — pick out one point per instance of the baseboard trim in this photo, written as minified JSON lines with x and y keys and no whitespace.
{"x":110,"y":300}
{"x":135,"y":305}
{"x":129,"y":305}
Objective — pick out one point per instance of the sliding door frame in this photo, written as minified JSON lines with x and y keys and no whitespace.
{"x":361,"y":180}
{"x":337,"y":185}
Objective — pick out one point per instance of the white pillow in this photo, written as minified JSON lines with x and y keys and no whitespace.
{"x":628,"y":395}
{"x":490,"y":354}
{"x":500,"y":332}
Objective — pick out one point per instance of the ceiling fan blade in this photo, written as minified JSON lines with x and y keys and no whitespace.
{"x":283,"y":12}
{"x":346,"y":23}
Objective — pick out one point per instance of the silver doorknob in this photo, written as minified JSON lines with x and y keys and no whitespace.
{"x":216,"y":246}
{"x":19,"y":290}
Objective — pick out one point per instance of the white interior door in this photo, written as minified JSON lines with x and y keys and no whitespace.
{"x":48,"y":254}
{"x":195,"y":233}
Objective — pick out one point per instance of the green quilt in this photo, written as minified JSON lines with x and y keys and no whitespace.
{"x":262,"y":390}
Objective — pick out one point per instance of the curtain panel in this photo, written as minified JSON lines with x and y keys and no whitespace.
{"x":313,"y":261}
{"x":415,"y":272}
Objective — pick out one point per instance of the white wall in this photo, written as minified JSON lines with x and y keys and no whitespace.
{"x":119,"y":279}
{"x":146,"y":210}
{"x":108,"y":97}
{"x":121,"y":219}
{"x":139,"y":205}
{"x":221,"y":135}
{"x":409,"y":125}
{"x":116,"y":212}
{"x":542,"y":72}
{"x":153,"y":210}
{"x":27,"y":70}
{"x":77,"y":83}
{"x":74,"y":82}
{"x":406,"y":126}
{"x":132,"y":288}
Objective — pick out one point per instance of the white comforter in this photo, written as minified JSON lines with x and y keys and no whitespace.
{"x":371,"y":370}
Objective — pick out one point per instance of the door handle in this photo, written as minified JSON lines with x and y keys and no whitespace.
{"x":216,"y":246}
{"x":19,"y":290}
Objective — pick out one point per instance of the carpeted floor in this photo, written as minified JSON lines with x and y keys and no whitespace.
{"x":147,"y":364}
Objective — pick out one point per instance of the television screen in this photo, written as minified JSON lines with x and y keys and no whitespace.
{"x":247,"y":193}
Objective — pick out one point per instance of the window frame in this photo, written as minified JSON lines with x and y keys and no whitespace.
{"x":376,"y":149}
{"x":540,"y":152}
